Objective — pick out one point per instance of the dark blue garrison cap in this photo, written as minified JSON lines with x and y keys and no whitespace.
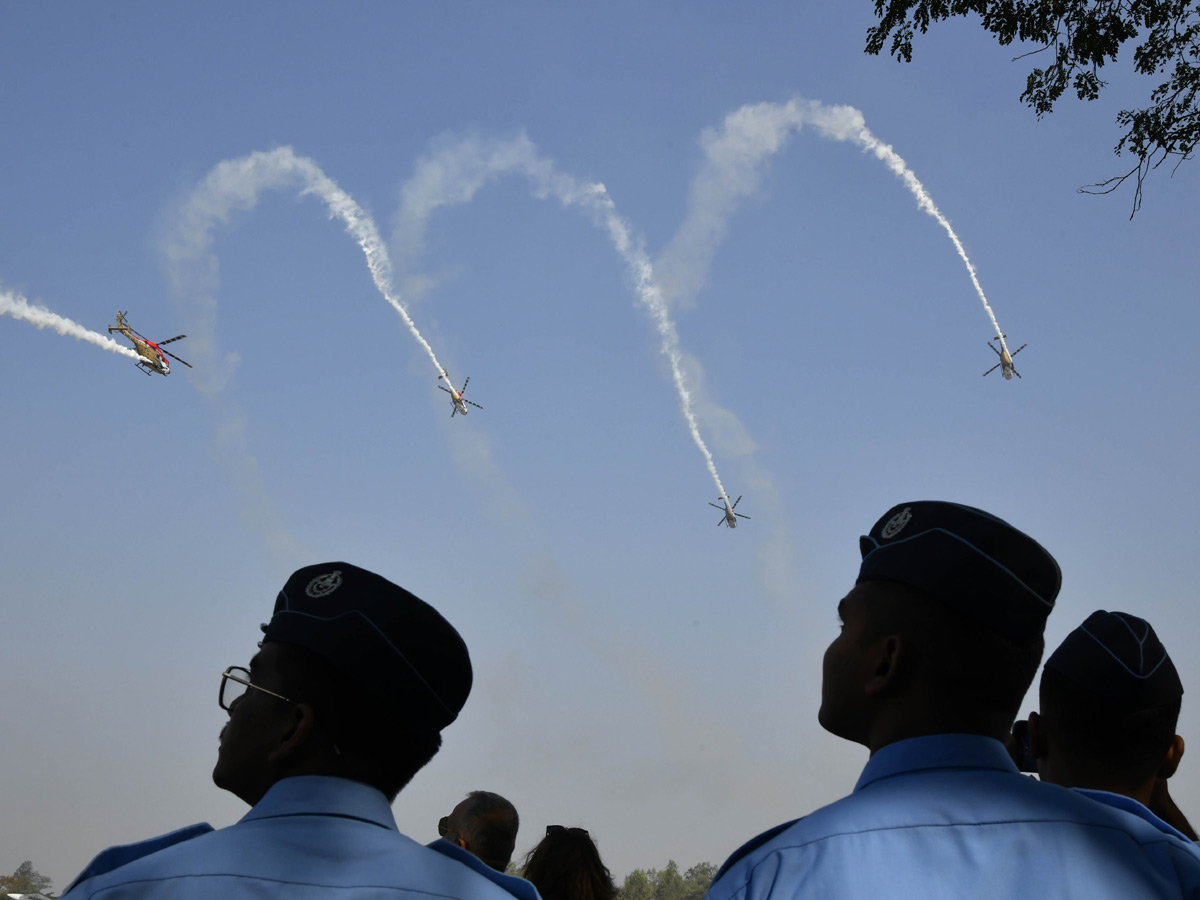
{"x":968,"y":559}
{"x":380,"y":635}
{"x":1119,"y":658}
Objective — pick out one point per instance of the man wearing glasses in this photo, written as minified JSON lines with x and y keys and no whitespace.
{"x":342,"y":705}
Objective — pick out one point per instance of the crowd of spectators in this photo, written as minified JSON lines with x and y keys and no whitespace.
{"x":941,"y":637}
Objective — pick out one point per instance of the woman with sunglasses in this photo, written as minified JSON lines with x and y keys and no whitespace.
{"x":566,"y":866}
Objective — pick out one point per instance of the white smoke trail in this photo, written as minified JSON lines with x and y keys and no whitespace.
{"x":456,"y":173}
{"x":192,"y":270}
{"x":735,"y":159}
{"x":651,"y":296}
{"x":12,"y":304}
{"x":893,"y":161}
{"x":236,"y":184}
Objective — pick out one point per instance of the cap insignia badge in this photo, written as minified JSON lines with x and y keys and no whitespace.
{"x":897,"y":522}
{"x":323,"y":585}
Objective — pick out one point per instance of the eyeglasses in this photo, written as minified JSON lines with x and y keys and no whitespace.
{"x":234,"y":682}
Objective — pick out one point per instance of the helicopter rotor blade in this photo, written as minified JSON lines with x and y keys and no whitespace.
{"x":177,"y":359}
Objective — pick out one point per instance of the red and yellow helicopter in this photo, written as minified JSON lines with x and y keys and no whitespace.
{"x":153,"y":357}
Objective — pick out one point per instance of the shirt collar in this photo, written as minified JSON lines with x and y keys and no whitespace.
{"x":936,"y":751}
{"x":324,"y":795}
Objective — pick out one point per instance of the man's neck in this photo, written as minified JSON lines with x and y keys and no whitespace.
{"x":888,"y":729}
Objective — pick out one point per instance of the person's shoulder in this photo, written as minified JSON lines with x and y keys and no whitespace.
{"x":748,"y":849}
{"x":1144,"y":825}
{"x":510,"y":884}
{"x":138,"y":854}
{"x":285,"y":857}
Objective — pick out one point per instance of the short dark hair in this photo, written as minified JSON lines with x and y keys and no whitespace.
{"x":972,"y":670}
{"x":376,"y":743}
{"x":566,"y":866}
{"x":1088,"y":727}
{"x":491,"y":824}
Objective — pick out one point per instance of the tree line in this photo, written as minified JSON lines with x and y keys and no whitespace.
{"x":26,"y":880}
{"x":668,"y":883}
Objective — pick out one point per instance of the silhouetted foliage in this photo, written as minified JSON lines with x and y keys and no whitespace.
{"x":1082,"y":36}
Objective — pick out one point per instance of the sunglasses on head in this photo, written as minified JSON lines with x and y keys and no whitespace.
{"x":555,"y":829}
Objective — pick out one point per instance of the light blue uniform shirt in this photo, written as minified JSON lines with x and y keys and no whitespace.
{"x":309,"y":837}
{"x":518,"y":887}
{"x":948,"y":817}
{"x":1121,"y":801}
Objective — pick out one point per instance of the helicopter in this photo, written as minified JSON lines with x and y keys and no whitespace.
{"x":1006,"y":364}
{"x":730,"y":517}
{"x":456,"y":397}
{"x":153,"y":357}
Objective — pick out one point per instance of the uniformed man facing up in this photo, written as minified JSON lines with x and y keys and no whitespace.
{"x":941,"y":637}
{"x":342,"y":705}
{"x":1110,"y":699}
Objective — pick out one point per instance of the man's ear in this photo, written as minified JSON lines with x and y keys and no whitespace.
{"x":1039,"y":746}
{"x":889,"y":655}
{"x":294,"y":733}
{"x":1172,"y":759}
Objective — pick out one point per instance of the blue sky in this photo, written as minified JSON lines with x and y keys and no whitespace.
{"x":639,"y":671}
